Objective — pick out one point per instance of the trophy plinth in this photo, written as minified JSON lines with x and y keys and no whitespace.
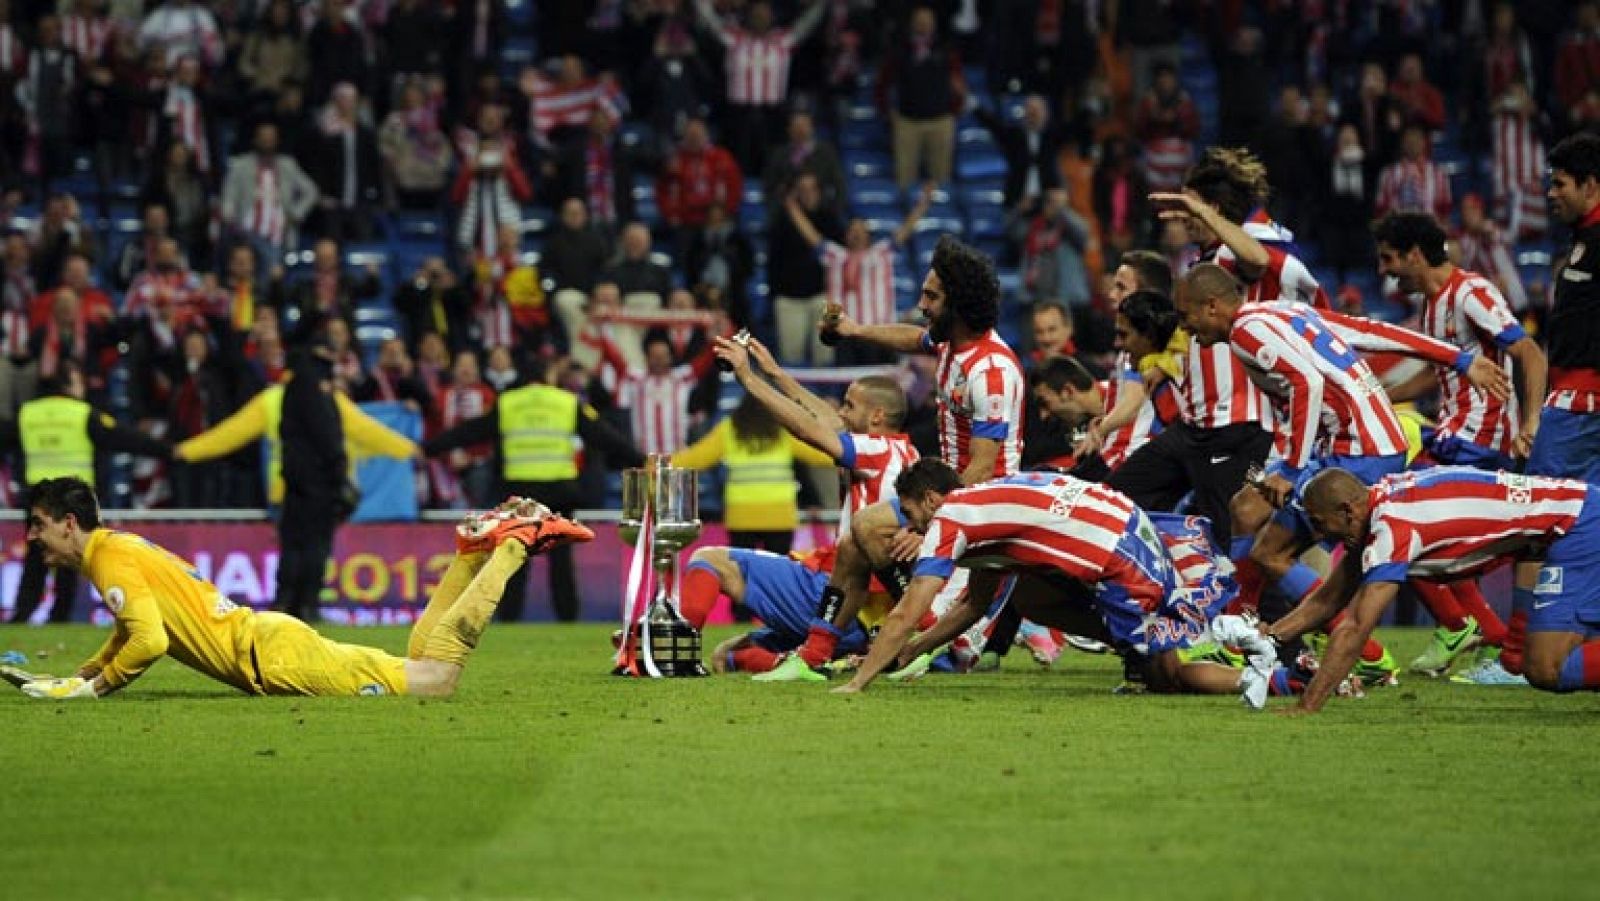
{"x":667,"y":500}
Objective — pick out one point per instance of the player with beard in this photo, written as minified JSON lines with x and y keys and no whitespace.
{"x":980,"y":382}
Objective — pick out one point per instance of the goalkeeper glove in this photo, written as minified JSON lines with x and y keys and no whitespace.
{"x":66,"y":689}
{"x":21,"y":677}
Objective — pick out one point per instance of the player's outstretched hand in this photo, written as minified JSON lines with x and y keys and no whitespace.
{"x":67,"y":689}
{"x":733,"y":353}
{"x":1488,"y":377}
{"x":20,"y":677}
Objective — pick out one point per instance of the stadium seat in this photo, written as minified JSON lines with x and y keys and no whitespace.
{"x":980,"y":165}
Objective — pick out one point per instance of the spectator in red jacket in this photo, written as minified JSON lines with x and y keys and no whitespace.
{"x":1421,"y":102}
{"x":697,"y":175}
{"x":1578,"y":60}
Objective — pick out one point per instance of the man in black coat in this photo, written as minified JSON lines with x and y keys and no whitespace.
{"x":1032,"y":149}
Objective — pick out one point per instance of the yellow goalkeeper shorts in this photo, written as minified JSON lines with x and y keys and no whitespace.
{"x":292,"y":659}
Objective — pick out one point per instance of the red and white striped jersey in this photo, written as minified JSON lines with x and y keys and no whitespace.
{"x":861,"y":281}
{"x":1416,"y":186}
{"x":1215,"y":390}
{"x":757,"y":65}
{"x":1166,"y":159}
{"x":981,"y":389}
{"x":183,"y":30}
{"x":1452,"y":521}
{"x":1325,"y":393}
{"x":1285,"y":277}
{"x":87,"y":36}
{"x":266,"y":217}
{"x":1519,"y":176}
{"x":1469,"y":313}
{"x":553,"y":104}
{"x":1121,"y":444}
{"x":1488,"y":253}
{"x":1050,"y":520}
{"x":874,"y":462}
{"x":657,"y":405}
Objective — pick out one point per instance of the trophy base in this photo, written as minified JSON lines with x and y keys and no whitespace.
{"x":674,"y":648}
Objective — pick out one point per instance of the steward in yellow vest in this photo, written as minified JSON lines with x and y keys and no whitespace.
{"x":760,"y":498}
{"x":537,"y":430}
{"x":59,"y":434}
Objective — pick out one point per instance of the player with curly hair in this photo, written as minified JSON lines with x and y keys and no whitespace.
{"x":1224,"y":203}
{"x":980,"y":382}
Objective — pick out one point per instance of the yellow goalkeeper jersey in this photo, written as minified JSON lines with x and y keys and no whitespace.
{"x":164,"y":607}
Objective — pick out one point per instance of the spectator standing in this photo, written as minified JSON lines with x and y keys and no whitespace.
{"x":1166,"y":124}
{"x":574,"y":254}
{"x":265,"y":197}
{"x":1482,"y":248}
{"x":923,"y":72}
{"x":802,"y":153}
{"x":1347,"y":206}
{"x":186,"y":114}
{"x":1414,"y":182}
{"x":1051,"y":238}
{"x":1577,"y":67}
{"x":1032,"y":149}
{"x":757,"y":59}
{"x":68,"y":335}
{"x":417,"y":155}
{"x":180,"y":28}
{"x":1378,"y":117}
{"x":343,"y":161}
{"x":471,"y":468}
{"x":274,"y":54}
{"x":139,"y":254}
{"x":491,"y":184}
{"x":177,"y":186}
{"x":796,"y":278}
{"x":336,"y":51}
{"x":47,"y":95}
{"x":1120,"y":193}
{"x":201,"y":398}
{"x":697,"y":175}
{"x":1519,"y":168}
{"x":1420,"y":102}
{"x":599,"y":169}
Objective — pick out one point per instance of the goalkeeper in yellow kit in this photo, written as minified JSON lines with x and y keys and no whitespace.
{"x":163,"y":607}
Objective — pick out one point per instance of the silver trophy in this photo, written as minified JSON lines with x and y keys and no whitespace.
{"x":670,"y":499}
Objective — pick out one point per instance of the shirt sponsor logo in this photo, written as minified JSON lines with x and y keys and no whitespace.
{"x":1551,"y":579}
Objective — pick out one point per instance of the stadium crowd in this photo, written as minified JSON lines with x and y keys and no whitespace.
{"x":1124,"y":161}
{"x":186,"y":182}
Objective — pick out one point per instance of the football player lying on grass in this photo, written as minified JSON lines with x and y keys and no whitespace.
{"x":164,"y":608}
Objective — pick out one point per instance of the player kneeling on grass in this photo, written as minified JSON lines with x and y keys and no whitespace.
{"x":1086,"y":560}
{"x":164,"y":608}
{"x":782,"y":592}
{"x":1455,"y":522}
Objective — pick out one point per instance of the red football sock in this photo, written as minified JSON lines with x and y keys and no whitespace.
{"x":1251,"y":580}
{"x":1512,"y":647}
{"x":1588,"y":678}
{"x":819,"y":646}
{"x":754,"y":659}
{"x":1441,"y":602}
{"x":1371,"y":652}
{"x":1472,"y":602}
{"x":701,"y":588}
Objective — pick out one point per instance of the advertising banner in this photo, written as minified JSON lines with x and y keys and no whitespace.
{"x":380,"y":573}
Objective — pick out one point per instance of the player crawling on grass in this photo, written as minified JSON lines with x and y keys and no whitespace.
{"x":164,"y":608}
{"x":1085,"y":559}
{"x":1455,"y":522}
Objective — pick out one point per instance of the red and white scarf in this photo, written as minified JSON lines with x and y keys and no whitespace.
{"x":183,"y":107}
{"x":50,"y":355}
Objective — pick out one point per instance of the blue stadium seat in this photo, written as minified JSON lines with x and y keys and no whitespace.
{"x":980,"y":165}
{"x":419,"y":226}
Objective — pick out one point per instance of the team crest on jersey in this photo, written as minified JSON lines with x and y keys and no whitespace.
{"x":1519,"y":489}
{"x":1267,"y":357}
{"x":115,"y":598}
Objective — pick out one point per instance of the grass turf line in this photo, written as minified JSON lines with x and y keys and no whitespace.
{"x":545,"y":778}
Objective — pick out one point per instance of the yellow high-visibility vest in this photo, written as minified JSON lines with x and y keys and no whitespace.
{"x":272,"y":398}
{"x":538,"y":425}
{"x":758,"y":477}
{"x":55,"y":439}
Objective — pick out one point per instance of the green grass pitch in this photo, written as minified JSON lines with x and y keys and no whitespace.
{"x":545,"y":778}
